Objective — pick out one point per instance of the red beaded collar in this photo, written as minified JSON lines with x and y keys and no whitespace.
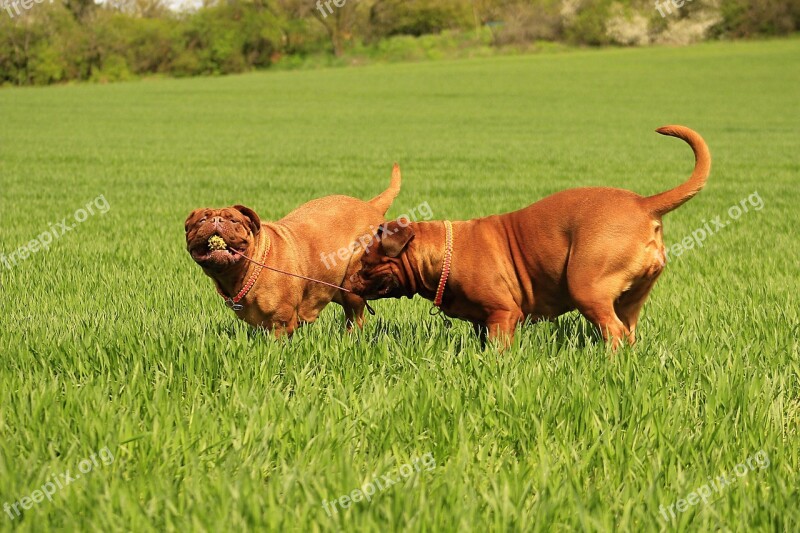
{"x":448,"y":256}
{"x":233,"y":303}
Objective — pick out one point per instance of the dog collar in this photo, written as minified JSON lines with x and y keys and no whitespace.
{"x":233,"y":303}
{"x":448,"y":256}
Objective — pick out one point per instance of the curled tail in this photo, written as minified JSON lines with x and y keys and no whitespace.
{"x":384,"y":200}
{"x":665,"y":202}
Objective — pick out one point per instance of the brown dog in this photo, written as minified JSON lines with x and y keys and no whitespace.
{"x":299,"y":243}
{"x":598,"y":250}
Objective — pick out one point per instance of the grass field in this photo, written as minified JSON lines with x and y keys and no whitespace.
{"x":114,"y":340}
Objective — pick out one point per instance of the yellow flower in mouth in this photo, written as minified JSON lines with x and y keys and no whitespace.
{"x":216,"y":243}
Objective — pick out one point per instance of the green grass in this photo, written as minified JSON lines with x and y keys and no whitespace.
{"x":114,"y":338}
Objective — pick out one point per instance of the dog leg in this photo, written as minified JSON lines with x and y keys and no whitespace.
{"x":353,"y":312}
{"x":598,"y":308}
{"x":594,"y":294}
{"x":501,"y":325}
{"x":603,"y":317}
{"x":630,"y":305}
{"x":283,"y":323}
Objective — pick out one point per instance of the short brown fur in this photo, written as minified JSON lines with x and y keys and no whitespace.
{"x":279,"y":302}
{"x":598,"y":250}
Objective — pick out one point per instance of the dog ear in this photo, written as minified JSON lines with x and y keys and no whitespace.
{"x":394,"y":237}
{"x":191,"y":220}
{"x":253,"y":221}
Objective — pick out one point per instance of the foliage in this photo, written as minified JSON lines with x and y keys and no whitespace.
{"x":746,"y":18}
{"x":122,"y":39}
{"x":418,"y":17}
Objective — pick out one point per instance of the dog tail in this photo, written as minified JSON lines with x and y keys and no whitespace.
{"x":384,"y":200}
{"x":665,"y":202}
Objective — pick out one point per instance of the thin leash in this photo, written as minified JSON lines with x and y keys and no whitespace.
{"x":262,"y":265}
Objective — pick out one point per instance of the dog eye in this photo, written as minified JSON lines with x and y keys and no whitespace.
{"x":202,"y":220}
{"x":234,"y":221}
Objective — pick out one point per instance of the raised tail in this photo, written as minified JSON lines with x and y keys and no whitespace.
{"x":384,"y":200}
{"x":665,"y":202}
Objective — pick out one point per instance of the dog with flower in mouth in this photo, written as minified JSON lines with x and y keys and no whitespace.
{"x":270,"y":273}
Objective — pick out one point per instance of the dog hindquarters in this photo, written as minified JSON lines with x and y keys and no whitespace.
{"x":596,"y":277}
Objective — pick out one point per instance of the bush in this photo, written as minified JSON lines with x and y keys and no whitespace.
{"x":45,"y":65}
{"x":747,"y":18}
{"x":81,"y":40}
{"x":527,"y":22}
{"x":418,"y":17}
{"x":588,"y":23}
{"x":113,"y":68}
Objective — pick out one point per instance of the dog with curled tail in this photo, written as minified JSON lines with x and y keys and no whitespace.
{"x":599,"y":250}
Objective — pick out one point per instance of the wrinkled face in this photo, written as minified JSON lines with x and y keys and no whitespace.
{"x":238,"y":227}
{"x":380,"y":274}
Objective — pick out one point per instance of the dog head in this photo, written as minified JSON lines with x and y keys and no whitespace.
{"x":238,"y":226}
{"x":381,"y":275}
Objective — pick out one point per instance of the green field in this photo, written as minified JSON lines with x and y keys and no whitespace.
{"x":113,"y":338}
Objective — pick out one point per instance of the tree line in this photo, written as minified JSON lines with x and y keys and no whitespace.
{"x":52,"y":41}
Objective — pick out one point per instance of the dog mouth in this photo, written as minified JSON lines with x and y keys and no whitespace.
{"x":202,"y":253}
{"x":387,"y":287}
{"x":374,"y":289}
